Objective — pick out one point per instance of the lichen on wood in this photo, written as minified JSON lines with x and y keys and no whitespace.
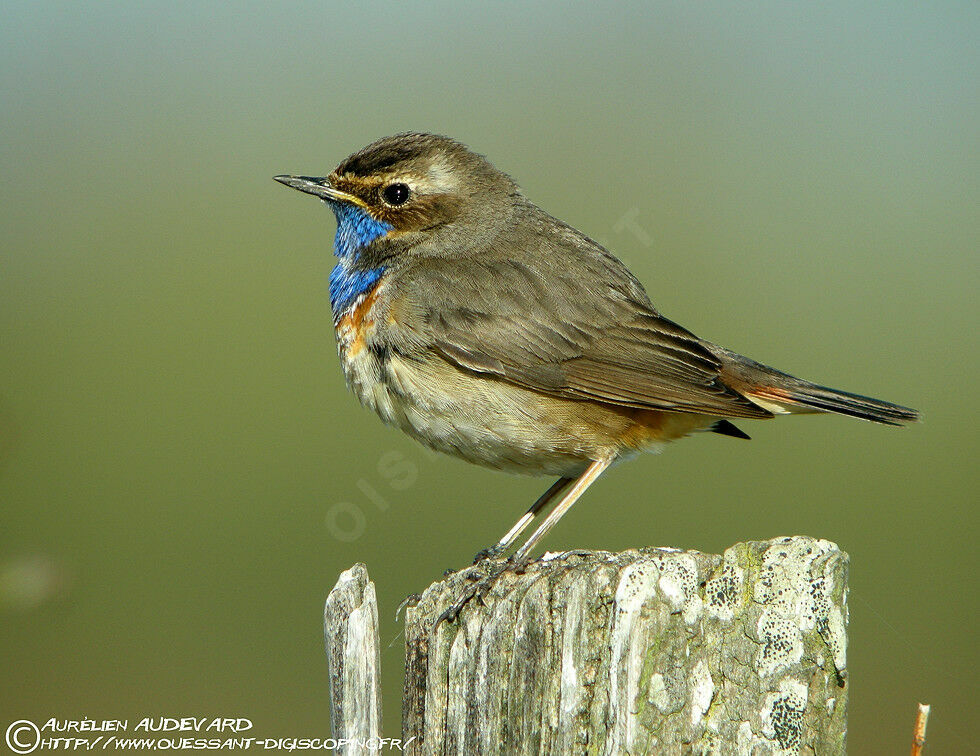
{"x":647,"y":651}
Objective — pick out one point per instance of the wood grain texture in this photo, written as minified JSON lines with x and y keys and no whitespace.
{"x":350,"y":622}
{"x":647,"y":651}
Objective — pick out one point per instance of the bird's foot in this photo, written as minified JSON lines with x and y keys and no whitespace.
{"x":411,"y":599}
{"x":491,"y":552}
{"x":480,"y":588}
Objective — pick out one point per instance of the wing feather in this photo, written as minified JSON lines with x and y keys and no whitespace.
{"x":566,"y":320}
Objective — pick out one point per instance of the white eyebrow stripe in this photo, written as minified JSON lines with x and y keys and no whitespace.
{"x":440,"y":176}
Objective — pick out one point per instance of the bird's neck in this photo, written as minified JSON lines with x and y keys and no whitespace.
{"x":351,"y":278}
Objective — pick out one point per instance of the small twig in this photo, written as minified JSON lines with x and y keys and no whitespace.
{"x":919,"y":738}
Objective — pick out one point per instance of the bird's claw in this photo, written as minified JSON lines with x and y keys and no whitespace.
{"x":478,"y":590}
{"x":412,"y":599}
{"x":452,"y":613}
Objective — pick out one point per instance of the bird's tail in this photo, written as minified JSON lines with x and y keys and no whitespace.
{"x":810,"y":397}
{"x":781,"y":393}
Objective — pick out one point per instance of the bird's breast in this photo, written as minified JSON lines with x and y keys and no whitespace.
{"x":482,"y":420}
{"x":371,"y":370}
{"x":355,"y":329}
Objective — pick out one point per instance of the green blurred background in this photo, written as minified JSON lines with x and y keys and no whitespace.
{"x":182,"y":473}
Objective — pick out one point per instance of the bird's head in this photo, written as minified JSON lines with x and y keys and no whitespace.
{"x":417,"y":194}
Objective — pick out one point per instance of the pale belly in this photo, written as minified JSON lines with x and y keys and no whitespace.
{"x":494,"y":423}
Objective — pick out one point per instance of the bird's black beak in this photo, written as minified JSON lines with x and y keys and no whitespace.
{"x":319,"y":187}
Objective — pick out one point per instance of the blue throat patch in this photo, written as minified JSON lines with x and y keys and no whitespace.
{"x":355,"y":229}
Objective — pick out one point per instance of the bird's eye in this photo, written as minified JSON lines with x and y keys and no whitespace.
{"x":395,"y":194}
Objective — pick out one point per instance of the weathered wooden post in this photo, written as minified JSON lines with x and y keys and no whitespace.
{"x":350,"y":623}
{"x":651,"y":651}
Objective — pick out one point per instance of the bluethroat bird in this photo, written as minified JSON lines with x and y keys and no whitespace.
{"x":485,"y":328}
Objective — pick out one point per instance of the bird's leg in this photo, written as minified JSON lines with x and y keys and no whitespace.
{"x":586,"y":479}
{"x":520,"y":558}
{"x":543,"y":500}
